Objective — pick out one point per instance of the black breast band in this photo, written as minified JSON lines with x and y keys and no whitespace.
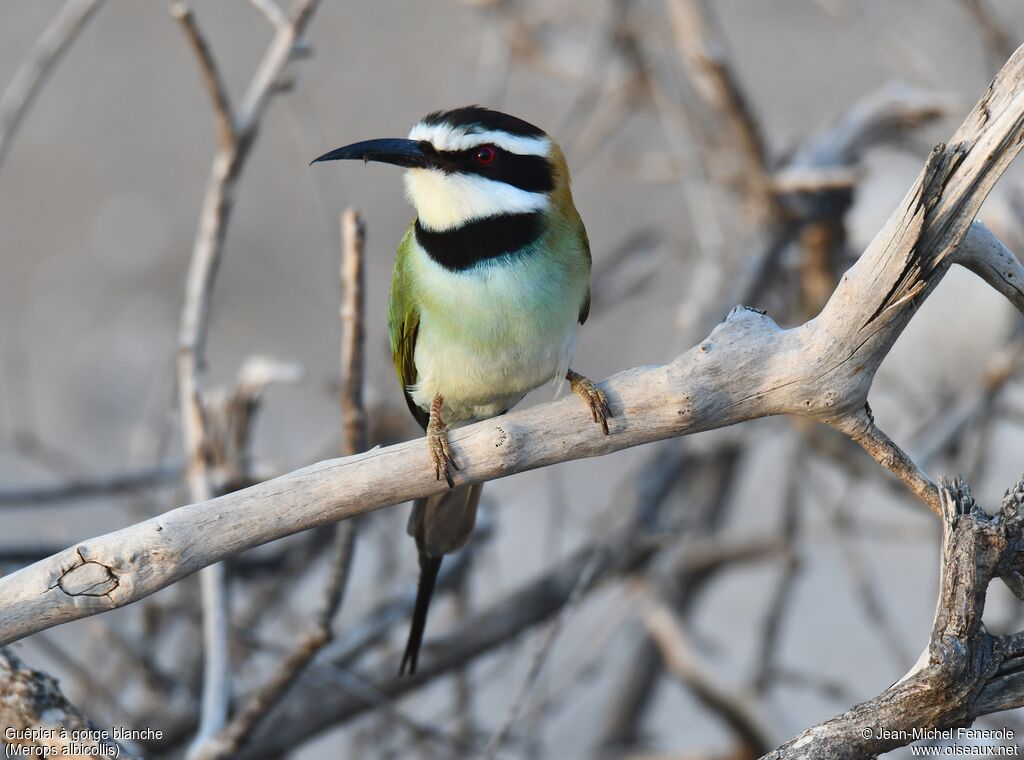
{"x":481,"y":239}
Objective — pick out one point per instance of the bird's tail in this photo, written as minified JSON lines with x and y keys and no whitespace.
{"x":429,"y":568}
{"x":441,"y":524}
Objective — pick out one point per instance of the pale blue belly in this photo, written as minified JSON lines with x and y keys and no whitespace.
{"x":489,"y":335}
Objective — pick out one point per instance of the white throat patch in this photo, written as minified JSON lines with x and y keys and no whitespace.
{"x":446,"y":201}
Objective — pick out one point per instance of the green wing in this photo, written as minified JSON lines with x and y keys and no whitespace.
{"x":582,"y":233}
{"x":585,"y":308}
{"x":404,"y":324}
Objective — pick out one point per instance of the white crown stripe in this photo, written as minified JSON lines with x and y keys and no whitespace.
{"x":447,"y":137}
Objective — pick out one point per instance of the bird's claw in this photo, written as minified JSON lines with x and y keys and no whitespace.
{"x":440,"y":451}
{"x":593,"y":396}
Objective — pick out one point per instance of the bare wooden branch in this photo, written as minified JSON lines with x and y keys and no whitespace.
{"x":862,"y":429}
{"x":353,"y":410}
{"x":700,"y":45}
{"x":215,"y":86}
{"x":747,"y":368}
{"x":624,"y":552}
{"x":271,"y":10}
{"x":236,"y":137}
{"x":32,"y":72}
{"x":354,"y":435}
{"x":227,"y":742}
{"x":966,"y":672}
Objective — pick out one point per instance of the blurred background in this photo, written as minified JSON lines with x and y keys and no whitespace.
{"x":721,"y":153}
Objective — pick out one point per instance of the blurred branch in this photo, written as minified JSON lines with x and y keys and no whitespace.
{"x":114,"y":484}
{"x":679,"y":653}
{"x":235,"y":137}
{"x":353,"y":334}
{"x":235,"y":734}
{"x":622,"y":551}
{"x":782,"y":595}
{"x":215,"y":87}
{"x":271,"y":10}
{"x":708,"y":488}
{"x":538,"y":660}
{"x":628,"y":268}
{"x":998,"y":41}
{"x":374,"y":628}
{"x":747,"y":368}
{"x":976,"y":403}
{"x":966,"y":672}
{"x":700,"y":44}
{"x":817,"y":184}
{"x":354,"y":435}
{"x":497,"y":43}
{"x":33,"y":71}
{"x":865,"y":590}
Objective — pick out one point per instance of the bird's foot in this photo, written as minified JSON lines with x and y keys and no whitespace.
{"x":437,"y":442}
{"x":594,"y":397}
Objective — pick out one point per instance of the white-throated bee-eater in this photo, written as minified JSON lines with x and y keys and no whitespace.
{"x":490,"y":282}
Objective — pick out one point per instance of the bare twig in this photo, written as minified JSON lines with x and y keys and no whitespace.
{"x":680,"y":655}
{"x":727,"y":379}
{"x":538,"y":660}
{"x":234,"y":735}
{"x":700,"y":46}
{"x":354,"y":434}
{"x":113,"y":484}
{"x":353,"y":410}
{"x":624,"y":552}
{"x":965,"y":672}
{"x":782,"y":597}
{"x":236,"y":136}
{"x":999,"y":43}
{"x":215,"y":87}
{"x":271,"y":10}
{"x":43,"y":56}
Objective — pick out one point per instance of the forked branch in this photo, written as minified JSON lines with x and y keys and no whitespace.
{"x":966,"y":672}
{"x":747,"y":368}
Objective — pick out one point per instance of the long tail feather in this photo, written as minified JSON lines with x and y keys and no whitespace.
{"x":429,"y":568}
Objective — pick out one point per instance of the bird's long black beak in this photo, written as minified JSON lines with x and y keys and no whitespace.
{"x":400,"y":152}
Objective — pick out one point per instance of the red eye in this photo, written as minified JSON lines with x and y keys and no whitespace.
{"x":485,"y":155}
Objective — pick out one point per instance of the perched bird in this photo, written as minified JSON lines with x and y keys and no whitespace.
{"x":490,"y":282}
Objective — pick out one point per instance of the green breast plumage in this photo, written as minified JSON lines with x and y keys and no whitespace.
{"x":482,"y":321}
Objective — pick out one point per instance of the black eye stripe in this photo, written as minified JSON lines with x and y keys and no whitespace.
{"x":527,"y":172}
